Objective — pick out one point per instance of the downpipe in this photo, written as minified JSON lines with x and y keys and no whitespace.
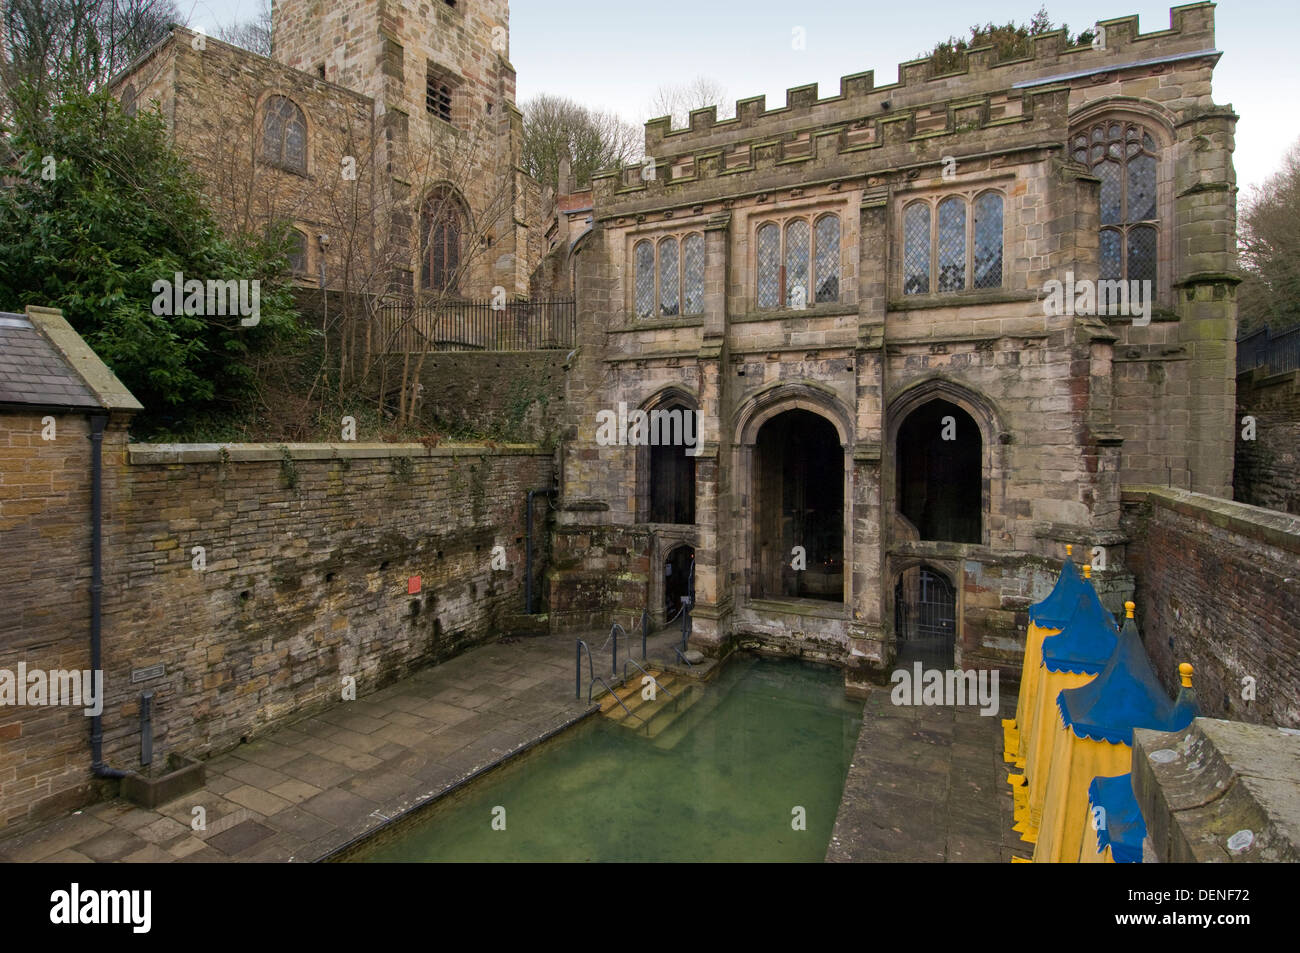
{"x":97,"y":424}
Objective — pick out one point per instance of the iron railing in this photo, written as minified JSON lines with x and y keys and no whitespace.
{"x":406,"y":327}
{"x":1264,"y":350}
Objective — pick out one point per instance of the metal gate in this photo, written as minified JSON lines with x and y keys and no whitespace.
{"x":925,"y":617}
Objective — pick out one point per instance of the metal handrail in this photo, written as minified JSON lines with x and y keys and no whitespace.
{"x":682,"y":657}
{"x":615,"y":696}
{"x":577,"y":674}
{"x":645,"y":628}
{"x":614,"y":630}
{"x":658,"y":686}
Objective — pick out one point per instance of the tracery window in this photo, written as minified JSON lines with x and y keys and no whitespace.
{"x":1123,"y":155}
{"x":284,"y":134}
{"x":442,"y":221}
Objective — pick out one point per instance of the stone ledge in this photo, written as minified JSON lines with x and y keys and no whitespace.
{"x":1266,"y":526}
{"x":156,"y":453}
{"x":1201,"y":789}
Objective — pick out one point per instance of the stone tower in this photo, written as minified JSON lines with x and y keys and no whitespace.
{"x":447,"y":130}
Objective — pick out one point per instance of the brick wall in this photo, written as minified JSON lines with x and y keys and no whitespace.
{"x":1218,"y":585}
{"x":1266,"y":467}
{"x":308,"y":552}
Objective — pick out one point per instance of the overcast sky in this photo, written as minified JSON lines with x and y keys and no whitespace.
{"x":614,"y":55}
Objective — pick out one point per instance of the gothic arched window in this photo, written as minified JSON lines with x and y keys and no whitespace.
{"x":284,"y":134}
{"x":441,"y":223}
{"x":297,"y":252}
{"x":1123,"y":155}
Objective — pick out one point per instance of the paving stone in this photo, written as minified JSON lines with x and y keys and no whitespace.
{"x":163,"y":829}
{"x":295,"y":791}
{"x":111,"y":845}
{"x":339,"y":807}
{"x":318,"y":771}
{"x":263,"y":802}
{"x":149,"y":854}
{"x":68,"y":857}
{"x":64,"y":833}
{"x":267,"y":753}
{"x":257,"y":775}
{"x":184,"y":846}
{"x":240,"y":837}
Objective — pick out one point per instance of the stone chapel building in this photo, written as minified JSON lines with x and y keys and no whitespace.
{"x":850,"y":293}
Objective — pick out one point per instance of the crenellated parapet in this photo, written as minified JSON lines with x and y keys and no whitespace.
{"x":861,"y":101}
{"x":903,"y":138}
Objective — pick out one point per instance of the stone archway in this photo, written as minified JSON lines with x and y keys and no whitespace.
{"x":798,"y":504}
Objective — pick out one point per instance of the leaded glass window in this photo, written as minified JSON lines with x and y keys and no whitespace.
{"x":645,"y":280}
{"x":798,"y":263}
{"x":284,"y":133}
{"x":916,"y":249}
{"x":797,"y":240}
{"x":828,"y":258}
{"x":693,"y":275}
{"x":1123,"y":155}
{"x":952,"y":245}
{"x":986,"y":270}
{"x":1109,"y":254}
{"x":769,"y":266}
{"x":1142,"y":253}
{"x":297,"y":252}
{"x":669,"y":277}
{"x":441,"y":222}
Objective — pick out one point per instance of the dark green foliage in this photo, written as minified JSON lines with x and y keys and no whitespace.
{"x":1010,"y":41}
{"x":112,"y":210}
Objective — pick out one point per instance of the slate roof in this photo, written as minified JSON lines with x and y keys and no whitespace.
{"x":32,"y":371}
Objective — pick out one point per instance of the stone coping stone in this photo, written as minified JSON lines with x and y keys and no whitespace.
{"x":155,"y":453}
{"x":1220,"y":792}
{"x":1267,"y":526}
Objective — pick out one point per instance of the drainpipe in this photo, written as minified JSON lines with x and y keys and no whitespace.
{"x":97,"y":423}
{"x":528,"y":548}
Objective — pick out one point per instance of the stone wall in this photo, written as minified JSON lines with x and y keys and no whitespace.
{"x":1218,"y":585}
{"x":1268,"y":467}
{"x":308,"y":557}
{"x":510,"y":395}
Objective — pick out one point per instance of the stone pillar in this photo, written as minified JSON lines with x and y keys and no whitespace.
{"x":712,"y":557}
{"x":1205,"y":254}
{"x":866,"y":633}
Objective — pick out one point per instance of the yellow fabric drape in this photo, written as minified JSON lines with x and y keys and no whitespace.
{"x":1088,"y":852}
{"x":1024,"y":699}
{"x":1074,"y":763}
{"x":1038,"y":758}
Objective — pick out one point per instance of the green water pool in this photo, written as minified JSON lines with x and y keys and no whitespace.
{"x":768,"y":736}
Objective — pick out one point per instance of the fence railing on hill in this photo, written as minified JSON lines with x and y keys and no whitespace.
{"x":1275,"y":353}
{"x":478,"y":326}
